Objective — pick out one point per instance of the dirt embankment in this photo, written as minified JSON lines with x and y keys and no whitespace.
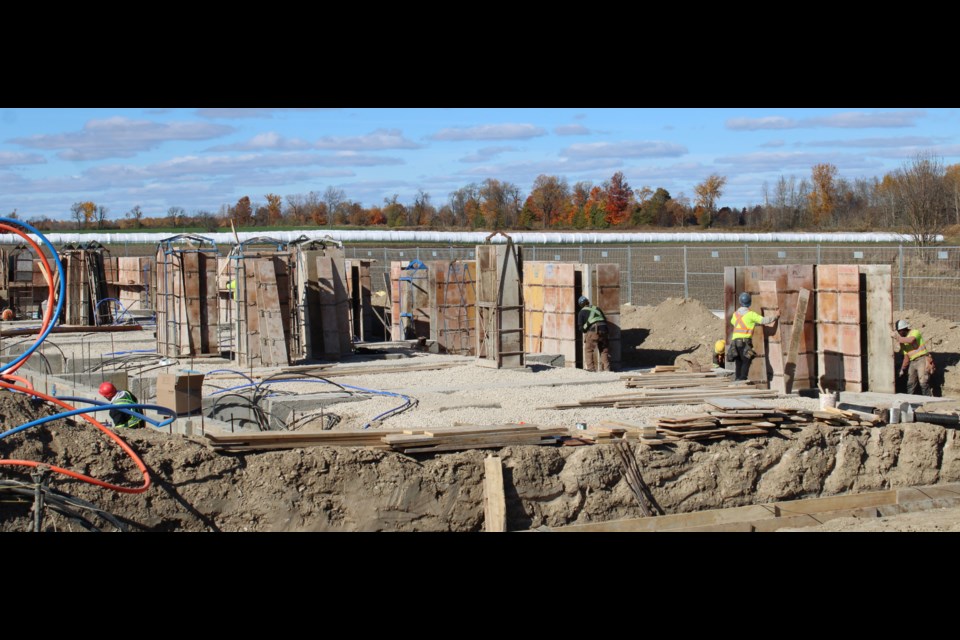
{"x":339,"y":489}
{"x":943,"y":338}
{"x":675,"y":330}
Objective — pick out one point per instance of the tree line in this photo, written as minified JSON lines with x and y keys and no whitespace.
{"x":921,"y":197}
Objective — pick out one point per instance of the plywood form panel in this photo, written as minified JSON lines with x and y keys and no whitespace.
{"x":333,"y":306}
{"x":879,"y":321}
{"x":273,"y":344}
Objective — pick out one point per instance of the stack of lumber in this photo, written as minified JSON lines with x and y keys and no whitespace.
{"x":657,"y":397}
{"x":265,"y":440}
{"x":738,"y":416}
{"x":474,"y":437}
{"x":406,"y":441}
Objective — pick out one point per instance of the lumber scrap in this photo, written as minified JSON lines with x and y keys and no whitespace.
{"x":796,"y":335}
{"x":494,"y":500}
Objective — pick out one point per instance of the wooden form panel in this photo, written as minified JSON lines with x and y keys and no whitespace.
{"x":361,"y":313}
{"x":840,"y":361}
{"x":452,"y":305}
{"x":500,"y":340}
{"x":334,"y":304}
{"x":186,"y":303}
{"x":878,"y":303}
{"x":789,"y":279}
{"x":550,"y":309}
{"x":410,"y":297}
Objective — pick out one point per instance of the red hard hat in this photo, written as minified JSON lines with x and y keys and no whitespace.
{"x":107,"y":390}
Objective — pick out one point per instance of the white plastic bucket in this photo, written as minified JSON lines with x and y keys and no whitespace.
{"x":828,"y":400}
{"x":894,"y":414}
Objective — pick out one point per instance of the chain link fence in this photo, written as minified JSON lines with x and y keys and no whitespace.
{"x":923,"y":279}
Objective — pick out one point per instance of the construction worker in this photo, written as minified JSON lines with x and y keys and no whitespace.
{"x":232,"y":288}
{"x":917,"y":358}
{"x":595,"y":335}
{"x":120,"y":419}
{"x":719,"y":354}
{"x":741,"y":348}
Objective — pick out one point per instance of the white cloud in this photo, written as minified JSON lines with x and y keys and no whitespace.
{"x":773,"y":144}
{"x":753,"y":124}
{"x":520,"y":171}
{"x":490,"y":132}
{"x":250,"y":113}
{"x":14,"y":158}
{"x":572,"y":130}
{"x":768,"y":161}
{"x":120,"y":137}
{"x":486,"y":154}
{"x":878,"y":143}
{"x":264,"y":141}
{"x":374,"y":141}
{"x":627,"y":149}
{"x":846,"y":120}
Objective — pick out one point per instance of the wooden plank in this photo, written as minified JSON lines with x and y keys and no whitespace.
{"x":333,"y":301}
{"x":796,"y":336}
{"x":273,"y":344}
{"x":881,"y":375}
{"x":494,"y":500}
{"x":774,"y":354}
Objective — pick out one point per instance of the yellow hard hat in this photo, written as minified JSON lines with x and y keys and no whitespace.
{"x":719,"y":346}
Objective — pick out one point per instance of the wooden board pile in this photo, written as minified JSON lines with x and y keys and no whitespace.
{"x":668,"y":386}
{"x":738,"y":416}
{"x":406,"y":441}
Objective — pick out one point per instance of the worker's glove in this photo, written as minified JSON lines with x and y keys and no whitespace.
{"x":931,"y":367}
{"x":903,"y":372}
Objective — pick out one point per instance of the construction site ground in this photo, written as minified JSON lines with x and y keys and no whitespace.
{"x":196,"y":488}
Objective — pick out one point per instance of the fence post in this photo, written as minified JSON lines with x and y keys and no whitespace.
{"x":901,"y":277}
{"x":686,"y":284}
{"x":581,"y":255}
{"x":746,"y":255}
{"x":630,"y":274}
{"x":818,"y":253}
{"x":534,"y":248}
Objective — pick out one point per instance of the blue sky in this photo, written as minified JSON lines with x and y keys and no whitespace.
{"x":203,"y":158}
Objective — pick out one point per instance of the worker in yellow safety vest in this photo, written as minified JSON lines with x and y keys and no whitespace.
{"x":719,"y":354}
{"x":744,"y":320}
{"x":917,"y":358}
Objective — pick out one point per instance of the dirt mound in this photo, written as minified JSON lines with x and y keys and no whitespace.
{"x":674,"y":330}
{"x":943,"y":338}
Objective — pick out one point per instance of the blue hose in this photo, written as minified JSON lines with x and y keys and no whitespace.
{"x":103,"y":407}
{"x":60,"y":298}
{"x":120,"y":304}
{"x":409,"y":400}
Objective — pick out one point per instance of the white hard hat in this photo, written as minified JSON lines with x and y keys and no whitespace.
{"x":902,"y":324}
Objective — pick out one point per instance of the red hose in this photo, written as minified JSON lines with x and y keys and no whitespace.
{"x":31,"y":391}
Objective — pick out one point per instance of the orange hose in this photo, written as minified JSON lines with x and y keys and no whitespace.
{"x":31,"y":391}
{"x":79,"y":476}
{"x":46,"y":274}
{"x":7,"y":376}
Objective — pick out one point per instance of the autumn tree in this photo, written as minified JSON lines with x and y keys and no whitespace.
{"x":500,"y":203}
{"x":334,"y":199}
{"x":274,"y":209}
{"x":83,"y":213}
{"x":394,"y":212}
{"x":176,"y":215}
{"x":823,"y":195}
{"x":952,"y":176}
{"x":375,"y":216}
{"x":296,"y":210}
{"x":136,"y":215}
{"x":464,"y":205}
{"x":923,"y":198}
{"x":549,"y":200}
{"x":707,"y":193}
{"x":595,"y":210}
{"x":241,"y":213}
{"x":652,"y":212}
{"x":579,"y":197}
{"x":421,"y":213}
{"x":618,"y":197}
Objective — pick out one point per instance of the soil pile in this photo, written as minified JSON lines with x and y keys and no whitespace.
{"x":943,"y":338}
{"x":675,"y":330}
